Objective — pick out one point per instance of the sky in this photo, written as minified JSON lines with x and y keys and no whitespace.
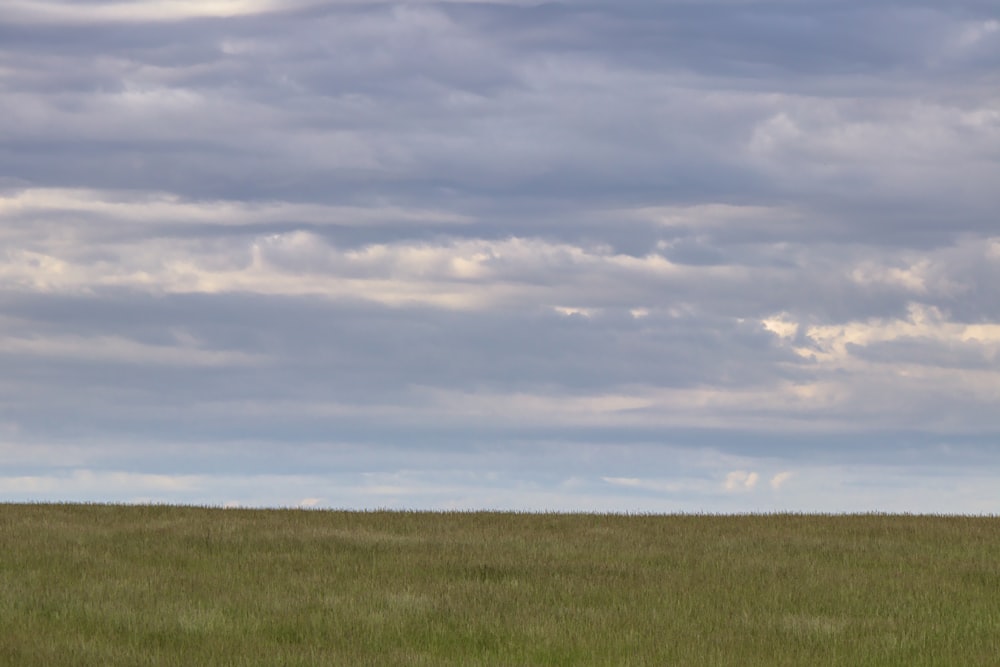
{"x":615,"y":256}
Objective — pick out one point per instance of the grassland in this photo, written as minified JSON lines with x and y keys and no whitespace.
{"x":155,"y":585}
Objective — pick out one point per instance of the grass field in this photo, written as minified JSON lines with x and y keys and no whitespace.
{"x":156,"y":585}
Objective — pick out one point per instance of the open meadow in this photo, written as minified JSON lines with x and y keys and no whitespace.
{"x":159,"y":585}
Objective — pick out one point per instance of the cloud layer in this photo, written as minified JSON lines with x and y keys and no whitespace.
{"x":494,"y":246}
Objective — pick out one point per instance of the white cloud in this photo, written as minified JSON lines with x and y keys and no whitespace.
{"x":624,"y":481}
{"x":43,"y":11}
{"x":780,"y":478}
{"x":974,"y":32}
{"x":404,"y":478}
{"x":156,"y":208}
{"x":52,"y":255}
{"x":569,"y":311}
{"x":741,"y":480}
{"x":116,"y":349}
{"x":85,"y":482}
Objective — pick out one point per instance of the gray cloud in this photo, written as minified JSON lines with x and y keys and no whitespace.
{"x":761,"y":229}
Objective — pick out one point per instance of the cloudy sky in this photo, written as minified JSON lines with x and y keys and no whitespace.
{"x":626,"y":255}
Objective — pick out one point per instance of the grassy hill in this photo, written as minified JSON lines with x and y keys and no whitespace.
{"x":157,"y":585}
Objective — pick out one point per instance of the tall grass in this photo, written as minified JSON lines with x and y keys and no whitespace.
{"x":156,"y":585}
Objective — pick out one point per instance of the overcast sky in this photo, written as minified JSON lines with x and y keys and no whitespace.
{"x":629,"y":255}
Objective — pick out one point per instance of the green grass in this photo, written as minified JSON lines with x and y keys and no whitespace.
{"x":156,"y":585}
